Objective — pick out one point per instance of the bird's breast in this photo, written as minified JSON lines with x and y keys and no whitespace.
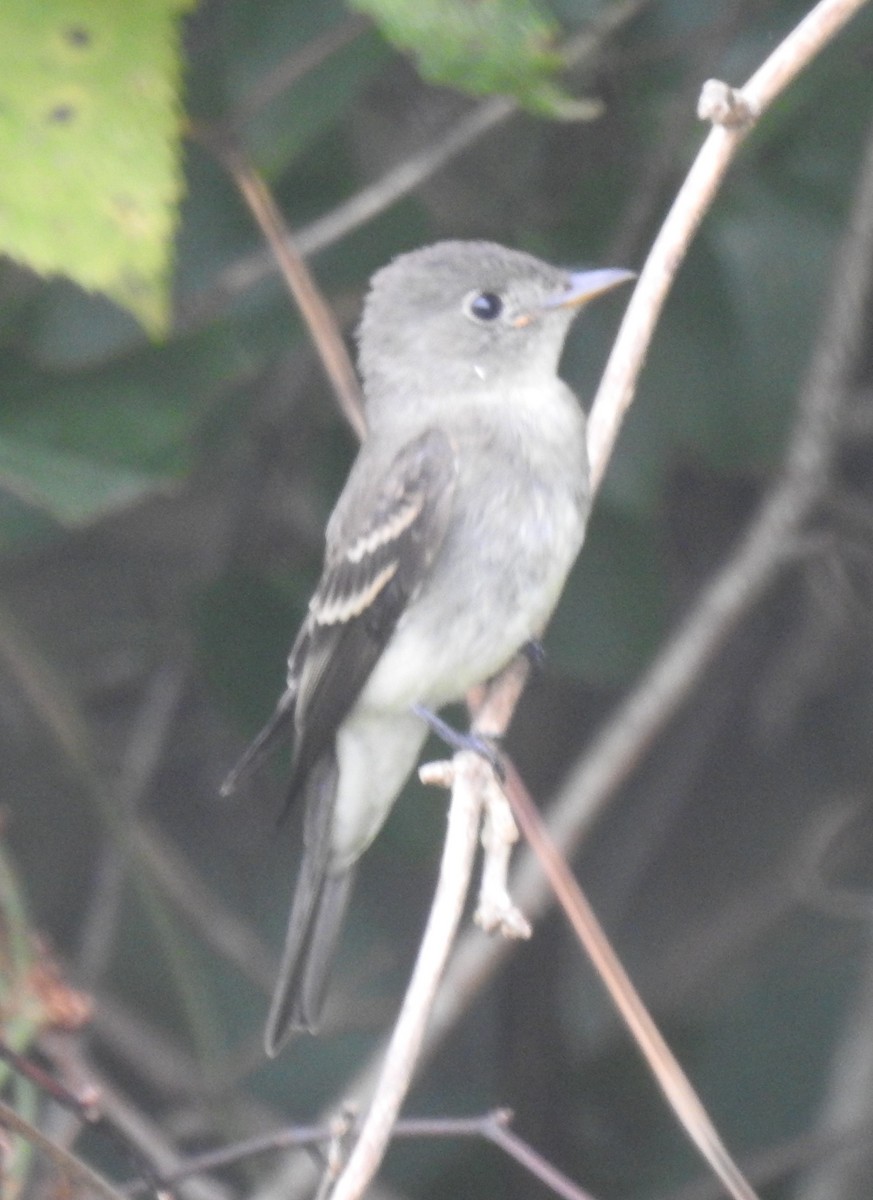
{"x":514,"y":534}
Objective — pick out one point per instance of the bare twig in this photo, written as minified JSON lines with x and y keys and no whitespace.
{"x":783,"y":1159}
{"x":294,"y":66}
{"x":471,"y":777}
{"x":661,"y":164}
{"x":142,"y":755}
{"x":766,"y":1166}
{"x":694,"y":199}
{"x":532,"y":1161}
{"x":664,"y":1066}
{"x":240,"y":1151}
{"x":88,"y":1109}
{"x":761,"y":553}
{"x":319,"y":319}
{"x":146,"y":1138}
{"x":472,"y":782}
{"x":493,"y":1126}
{"x":246,"y":272}
{"x":67,"y":1164}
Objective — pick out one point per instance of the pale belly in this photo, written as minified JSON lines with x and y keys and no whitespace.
{"x":448,"y":640}
{"x":481,"y":608}
{"x":492,"y":588}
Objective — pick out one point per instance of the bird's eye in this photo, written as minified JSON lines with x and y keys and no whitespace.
{"x":484,"y":306}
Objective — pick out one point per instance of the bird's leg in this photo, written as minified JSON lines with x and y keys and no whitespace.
{"x":456,"y":740}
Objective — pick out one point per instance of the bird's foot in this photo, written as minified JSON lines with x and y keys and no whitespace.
{"x":456,"y":740}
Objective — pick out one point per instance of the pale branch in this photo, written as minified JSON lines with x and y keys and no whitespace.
{"x":693,"y":201}
{"x":468,"y":770}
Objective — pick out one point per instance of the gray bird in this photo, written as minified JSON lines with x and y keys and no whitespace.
{"x":446,"y":554}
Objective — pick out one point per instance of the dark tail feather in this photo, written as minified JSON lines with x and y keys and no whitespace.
{"x":264,"y":744}
{"x":316,"y":918}
{"x":313,"y":930}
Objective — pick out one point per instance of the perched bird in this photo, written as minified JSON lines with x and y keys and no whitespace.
{"x":446,"y":554}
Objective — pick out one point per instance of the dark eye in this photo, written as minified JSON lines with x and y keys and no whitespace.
{"x":484,"y":306}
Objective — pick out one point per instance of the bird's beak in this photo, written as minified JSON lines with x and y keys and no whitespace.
{"x":583,"y":286}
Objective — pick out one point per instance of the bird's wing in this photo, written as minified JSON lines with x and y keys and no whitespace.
{"x":376,"y":563}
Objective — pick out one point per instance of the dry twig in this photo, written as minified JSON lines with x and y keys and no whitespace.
{"x":315,"y":310}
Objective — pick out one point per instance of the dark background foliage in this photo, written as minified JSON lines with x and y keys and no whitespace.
{"x":141,"y":648}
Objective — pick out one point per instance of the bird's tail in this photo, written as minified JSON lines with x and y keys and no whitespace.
{"x":314,"y":925}
{"x":264,"y":744}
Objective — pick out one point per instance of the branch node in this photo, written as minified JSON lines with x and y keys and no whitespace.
{"x":727,"y":106}
{"x":437,"y":774}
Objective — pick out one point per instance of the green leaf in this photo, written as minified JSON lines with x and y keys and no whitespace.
{"x":89,"y":140}
{"x":482,"y":47}
{"x":70,"y":487}
{"x":81,"y":445}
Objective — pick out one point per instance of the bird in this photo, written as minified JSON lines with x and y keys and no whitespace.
{"x":445,"y":555}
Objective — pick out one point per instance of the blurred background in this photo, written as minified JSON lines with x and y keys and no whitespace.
{"x":162,"y":531}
